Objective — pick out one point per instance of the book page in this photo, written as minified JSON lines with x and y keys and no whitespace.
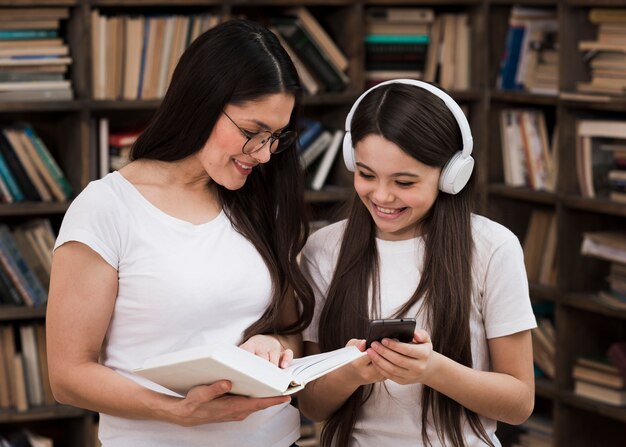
{"x":307,"y":369}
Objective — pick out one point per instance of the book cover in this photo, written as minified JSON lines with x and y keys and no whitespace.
{"x":250,"y":375}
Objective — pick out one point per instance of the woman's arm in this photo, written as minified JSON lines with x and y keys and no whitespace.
{"x":324,"y":396}
{"x":83,"y":289}
{"x":505,"y":394}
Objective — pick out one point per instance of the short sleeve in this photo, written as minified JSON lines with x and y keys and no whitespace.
{"x":506,"y":302}
{"x":94,"y":219}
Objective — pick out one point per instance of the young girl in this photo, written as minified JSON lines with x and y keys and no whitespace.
{"x":411,"y":247}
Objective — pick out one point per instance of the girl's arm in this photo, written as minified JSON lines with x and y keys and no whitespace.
{"x":505,"y":394}
{"x":324,"y":396}
{"x":83,"y":289}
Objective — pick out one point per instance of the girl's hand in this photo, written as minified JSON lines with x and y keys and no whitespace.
{"x":404,"y":363}
{"x":361,"y":371}
{"x":211,"y":403}
{"x":270,"y":349}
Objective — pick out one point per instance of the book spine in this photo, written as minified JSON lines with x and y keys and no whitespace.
{"x":33,"y":285}
{"x":17,"y":170}
{"x":49,"y":161}
{"x":6,"y":175}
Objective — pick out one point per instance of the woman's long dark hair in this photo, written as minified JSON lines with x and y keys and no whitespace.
{"x":237,"y":62}
{"x":420,"y":124}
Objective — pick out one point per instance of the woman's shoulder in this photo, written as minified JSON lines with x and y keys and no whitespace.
{"x":101,"y":194}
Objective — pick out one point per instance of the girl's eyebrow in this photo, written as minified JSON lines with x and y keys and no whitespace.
{"x":396,"y":174}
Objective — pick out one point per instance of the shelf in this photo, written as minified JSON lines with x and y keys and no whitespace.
{"x":413,"y":3}
{"x":597,"y":205}
{"x":333,"y":194}
{"x":613,"y":412}
{"x":33,"y":208}
{"x":130,"y":3}
{"x":528,"y":195}
{"x":29,"y":3}
{"x":10,"y":313}
{"x":41,"y":413}
{"x":545,"y":388}
{"x":593,"y":102}
{"x":590,"y":303}
{"x":523,"y":98}
{"x":40,"y":106}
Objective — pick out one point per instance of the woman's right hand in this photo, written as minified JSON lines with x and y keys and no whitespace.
{"x":211,"y":403}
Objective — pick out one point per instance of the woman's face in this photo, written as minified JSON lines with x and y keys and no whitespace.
{"x":397,"y":190}
{"x":222,"y":157}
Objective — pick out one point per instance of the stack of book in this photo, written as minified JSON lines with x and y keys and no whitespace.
{"x":607,"y":245}
{"x":530,"y":59}
{"x":544,"y":349}
{"x":25,"y":263}
{"x":114,"y":146}
{"x":28,"y":172}
{"x":615,"y":297}
{"x":24,"y":380}
{"x":601,"y":158}
{"x":538,"y":432}
{"x":526,"y":150}
{"x":34,"y":59}
{"x":133,"y":57}
{"x":321,"y":64}
{"x":396,"y":43}
{"x":600,"y":380}
{"x":448,"y":60}
{"x":606,"y":55}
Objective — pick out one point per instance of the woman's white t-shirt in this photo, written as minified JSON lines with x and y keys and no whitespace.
{"x":500,"y":306}
{"x":180,"y":285}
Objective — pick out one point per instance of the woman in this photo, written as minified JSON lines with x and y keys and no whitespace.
{"x":192,"y":242}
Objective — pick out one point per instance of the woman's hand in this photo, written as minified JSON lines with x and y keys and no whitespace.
{"x":269,"y":348}
{"x":361,"y":371}
{"x":404,"y":363}
{"x":210,"y":403}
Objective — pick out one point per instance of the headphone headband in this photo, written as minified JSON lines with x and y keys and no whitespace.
{"x":456,"y":173}
{"x":461,"y":119}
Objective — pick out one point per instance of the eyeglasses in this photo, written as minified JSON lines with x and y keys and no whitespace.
{"x":255,"y":141}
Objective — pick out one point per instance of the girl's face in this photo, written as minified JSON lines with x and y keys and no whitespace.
{"x":222,"y":157}
{"x":397,"y":189}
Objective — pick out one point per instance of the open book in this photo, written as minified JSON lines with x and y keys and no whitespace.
{"x":250,"y":375}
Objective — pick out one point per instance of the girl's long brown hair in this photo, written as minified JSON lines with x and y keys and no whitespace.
{"x":421,"y":125}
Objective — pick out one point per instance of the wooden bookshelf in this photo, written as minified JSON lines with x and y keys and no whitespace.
{"x":583,"y":326}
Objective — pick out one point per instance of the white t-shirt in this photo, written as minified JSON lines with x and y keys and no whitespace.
{"x":500,"y":306}
{"x":180,"y":285}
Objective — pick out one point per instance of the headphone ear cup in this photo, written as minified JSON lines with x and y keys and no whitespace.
{"x":456,"y":173}
{"x":348,"y":152}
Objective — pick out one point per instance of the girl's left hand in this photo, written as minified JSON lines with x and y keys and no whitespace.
{"x":404,"y":363}
{"x":270,"y":349}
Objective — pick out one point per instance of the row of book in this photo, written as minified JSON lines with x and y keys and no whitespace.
{"x":318,"y":146}
{"x":540,"y":248}
{"x":537,"y":431}
{"x":28,"y":171}
{"x":527,"y":150}
{"x":134,"y":56}
{"x":602,"y":379}
{"x":34,"y":59}
{"x":544,"y":347}
{"x":25,"y":263}
{"x":606,"y":54}
{"x":24,"y":379}
{"x":414,"y":43}
{"x":114,"y":146}
{"x":530,"y":58}
{"x":321,"y":64}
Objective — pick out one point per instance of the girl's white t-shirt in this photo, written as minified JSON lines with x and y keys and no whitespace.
{"x":500,"y":306}
{"x":180,"y":285}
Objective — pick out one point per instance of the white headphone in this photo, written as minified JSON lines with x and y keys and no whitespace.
{"x":457,"y":171}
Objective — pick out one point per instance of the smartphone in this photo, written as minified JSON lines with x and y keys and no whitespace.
{"x":401,"y":329}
